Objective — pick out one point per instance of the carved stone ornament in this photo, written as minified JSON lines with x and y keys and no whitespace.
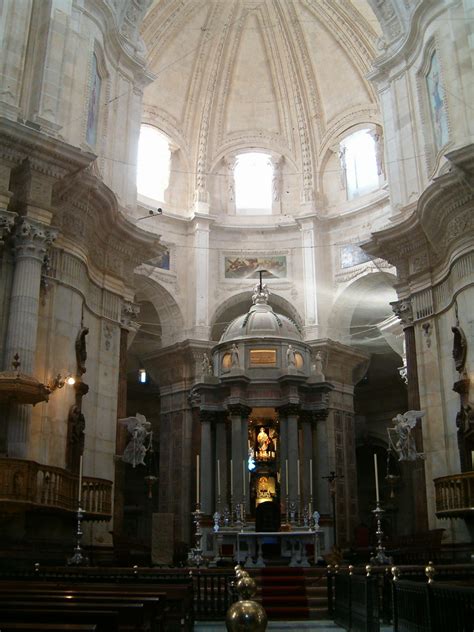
{"x":81,"y":351}
{"x":32,"y":239}
{"x":129,"y":315}
{"x":7,"y":221}
{"x":459,"y":348}
{"x":403,"y":310}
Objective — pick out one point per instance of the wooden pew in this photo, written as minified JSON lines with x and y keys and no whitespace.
{"x":153,"y":607}
{"x":103,"y":620}
{"x":47,"y":627}
{"x":178,"y":594}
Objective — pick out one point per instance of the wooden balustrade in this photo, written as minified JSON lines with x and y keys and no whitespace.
{"x":27,"y":483}
{"x":455,"y":495}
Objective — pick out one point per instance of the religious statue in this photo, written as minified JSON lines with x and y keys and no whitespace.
{"x":318,"y":365}
{"x":140,"y":430}
{"x":234,"y":356}
{"x":260,"y":293}
{"x":81,"y":351}
{"x":290,"y":356}
{"x":405,"y":441}
{"x":262,"y":440}
{"x":206,"y":366}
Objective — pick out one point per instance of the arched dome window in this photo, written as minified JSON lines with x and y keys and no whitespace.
{"x":153,"y":163}
{"x":253,"y":176}
{"x":359,"y":163}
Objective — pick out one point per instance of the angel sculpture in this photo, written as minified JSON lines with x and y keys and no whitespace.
{"x":136,"y":449}
{"x":404,"y":443}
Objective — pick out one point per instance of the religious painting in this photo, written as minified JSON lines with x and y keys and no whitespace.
{"x":162,"y":261}
{"x":352,"y":255}
{"x":437,"y":101}
{"x":265,"y":443}
{"x":93,"y":112}
{"x":241,"y":267}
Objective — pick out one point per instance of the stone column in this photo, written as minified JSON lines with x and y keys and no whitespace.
{"x":283,"y":454}
{"x":238,"y":419}
{"x":309,"y":276}
{"x":31,"y":242}
{"x":291,"y":412}
{"x":307,"y":454}
{"x":207,"y":469}
{"x":201,"y":276}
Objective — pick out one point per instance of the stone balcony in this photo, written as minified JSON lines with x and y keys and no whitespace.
{"x":455,"y":495}
{"x":27,"y":485}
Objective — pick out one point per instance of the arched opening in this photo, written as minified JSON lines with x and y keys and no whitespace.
{"x":253,"y":175}
{"x":153,"y":164}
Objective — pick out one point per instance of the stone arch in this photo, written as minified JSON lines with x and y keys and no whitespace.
{"x":169,"y":313}
{"x":376,"y":288}
{"x":240,"y":303}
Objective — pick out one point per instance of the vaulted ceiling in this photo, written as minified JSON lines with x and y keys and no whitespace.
{"x":277,"y":74}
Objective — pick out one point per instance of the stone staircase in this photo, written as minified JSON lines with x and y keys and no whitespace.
{"x":292,"y":593}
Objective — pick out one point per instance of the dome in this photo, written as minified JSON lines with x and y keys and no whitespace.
{"x":261,"y":321}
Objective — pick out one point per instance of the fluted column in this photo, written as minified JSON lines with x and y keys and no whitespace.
{"x":30,"y":244}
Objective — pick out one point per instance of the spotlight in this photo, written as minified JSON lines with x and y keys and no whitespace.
{"x":153,"y":212}
{"x":59,"y":381}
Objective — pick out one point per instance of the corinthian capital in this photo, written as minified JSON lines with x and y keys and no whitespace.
{"x":7,"y":221}
{"x":403,"y":310}
{"x":32,"y":238}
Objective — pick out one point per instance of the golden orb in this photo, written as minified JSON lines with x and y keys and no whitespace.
{"x":246,"y":616}
{"x":246,"y":587}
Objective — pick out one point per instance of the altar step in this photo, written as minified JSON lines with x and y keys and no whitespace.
{"x":292,"y":593}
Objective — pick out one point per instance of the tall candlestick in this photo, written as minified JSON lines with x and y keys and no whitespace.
{"x":311,"y":477}
{"x":79,"y":493}
{"x":286,"y":472}
{"x":218,"y":477}
{"x":197,"y":479}
{"x":298,"y":477}
{"x":231,"y":480}
{"x":376,"y":478}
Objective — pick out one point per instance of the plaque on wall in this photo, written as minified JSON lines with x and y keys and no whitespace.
{"x":260,"y":357}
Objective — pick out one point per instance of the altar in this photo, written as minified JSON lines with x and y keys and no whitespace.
{"x":248,"y":546}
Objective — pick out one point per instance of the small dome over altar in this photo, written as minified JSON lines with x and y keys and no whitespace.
{"x":261,"y":321}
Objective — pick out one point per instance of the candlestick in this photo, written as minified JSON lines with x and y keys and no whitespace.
{"x":79,"y":493}
{"x":311,"y":477}
{"x":298,"y":477}
{"x":218,"y":477}
{"x":376,"y":478}
{"x":231,"y":480}
{"x":286,"y":472}
{"x":197,"y":479}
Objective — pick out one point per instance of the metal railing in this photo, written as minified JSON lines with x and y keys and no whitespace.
{"x":356,"y":602}
{"x":455,"y":495}
{"x":24,"y":482}
{"x":213,"y":593}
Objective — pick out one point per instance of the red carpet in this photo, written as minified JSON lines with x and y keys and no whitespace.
{"x":284,"y":593}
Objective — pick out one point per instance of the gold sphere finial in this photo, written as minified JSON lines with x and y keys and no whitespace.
{"x":246,"y":615}
{"x":368,"y":569}
{"x":246,"y":587}
{"x":430,"y":572}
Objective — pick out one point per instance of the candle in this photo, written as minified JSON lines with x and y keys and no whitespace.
{"x":311,"y":477}
{"x":376,"y":478}
{"x":80,"y":481}
{"x":243,"y":477}
{"x":298,"y":477}
{"x":218,"y":477}
{"x":286,"y":472}
{"x":231,"y":480}
{"x":197,"y":479}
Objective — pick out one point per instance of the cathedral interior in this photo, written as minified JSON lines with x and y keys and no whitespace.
{"x":236,"y":274}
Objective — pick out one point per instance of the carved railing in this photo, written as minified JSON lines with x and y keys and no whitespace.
{"x":455,"y":495}
{"x":32,"y":484}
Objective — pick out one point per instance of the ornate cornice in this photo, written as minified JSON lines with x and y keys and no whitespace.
{"x":45,"y":155}
{"x":87,"y":212}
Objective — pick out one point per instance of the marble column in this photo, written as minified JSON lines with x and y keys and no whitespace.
{"x":31,"y":241}
{"x":309,"y":276}
{"x":206,"y":474}
{"x":291,"y":414}
{"x":221,"y":456}
{"x":306,"y":427}
{"x":201,"y":272}
{"x":283,"y":455}
{"x":238,"y":418}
